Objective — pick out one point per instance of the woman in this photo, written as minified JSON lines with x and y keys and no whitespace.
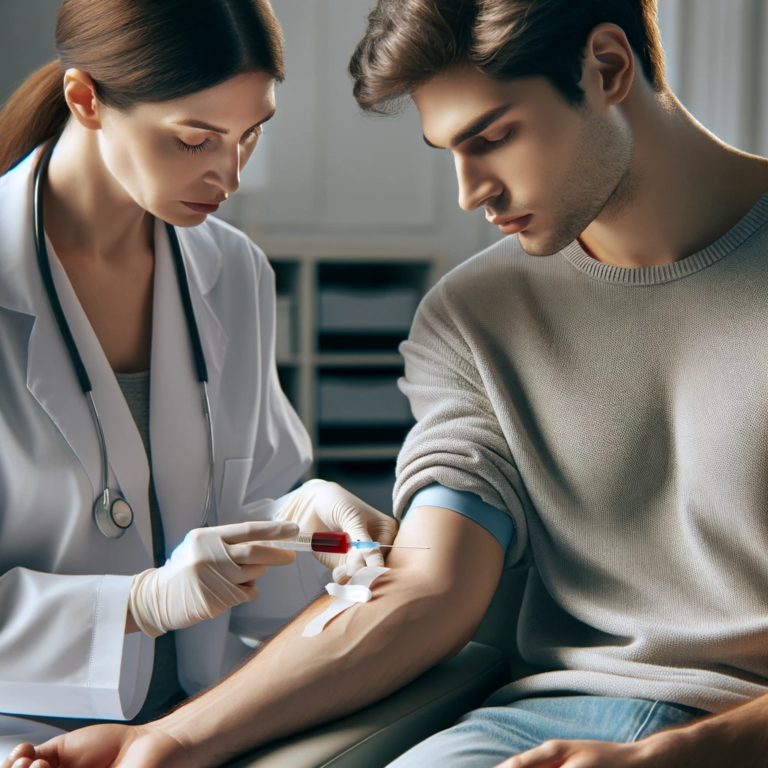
{"x":125,"y":313}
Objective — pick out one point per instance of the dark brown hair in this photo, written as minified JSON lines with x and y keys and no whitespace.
{"x":140,"y":51}
{"x":408,"y":42}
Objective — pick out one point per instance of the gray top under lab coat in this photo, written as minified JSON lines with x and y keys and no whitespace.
{"x":165,"y":691}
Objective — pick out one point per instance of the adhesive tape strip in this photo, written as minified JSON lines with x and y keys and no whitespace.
{"x":357,"y":593}
{"x":316,"y":626}
{"x":357,"y":590}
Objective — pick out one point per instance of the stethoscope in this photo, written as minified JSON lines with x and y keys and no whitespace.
{"x":113,"y":514}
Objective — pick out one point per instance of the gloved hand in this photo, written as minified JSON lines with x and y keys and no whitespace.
{"x":210,"y":571}
{"x":322,"y":506}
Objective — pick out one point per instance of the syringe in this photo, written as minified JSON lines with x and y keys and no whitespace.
{"x":329,"y":542}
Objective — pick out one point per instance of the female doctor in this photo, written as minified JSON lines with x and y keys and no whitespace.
{"x":140,"y":410}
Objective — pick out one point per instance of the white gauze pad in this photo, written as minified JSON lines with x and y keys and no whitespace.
{"x":356,"y":590}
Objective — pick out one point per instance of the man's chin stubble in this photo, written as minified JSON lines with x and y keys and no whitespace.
{"x":550,"y":244}
{"x":546,"y":248}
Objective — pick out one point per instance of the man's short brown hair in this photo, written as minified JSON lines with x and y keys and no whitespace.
{"x":408,"y":42}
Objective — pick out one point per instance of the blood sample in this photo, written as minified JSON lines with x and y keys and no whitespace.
{"x":329,"y":542}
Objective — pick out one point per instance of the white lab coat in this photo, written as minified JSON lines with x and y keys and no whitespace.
{"x":63,"y":585}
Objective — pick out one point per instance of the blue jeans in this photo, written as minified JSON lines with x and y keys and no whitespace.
{"x":488,"y":736}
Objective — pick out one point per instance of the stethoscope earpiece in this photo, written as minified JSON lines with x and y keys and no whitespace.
{"x":113,"y":514}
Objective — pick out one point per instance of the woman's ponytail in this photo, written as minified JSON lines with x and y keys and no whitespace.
{"x":36,"y":112}
{"x":140,"y":51}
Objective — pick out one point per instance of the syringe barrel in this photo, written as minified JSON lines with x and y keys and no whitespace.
{"x":329,"y":542}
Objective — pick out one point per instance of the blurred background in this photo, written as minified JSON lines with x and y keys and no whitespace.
{"x":359,"y":217}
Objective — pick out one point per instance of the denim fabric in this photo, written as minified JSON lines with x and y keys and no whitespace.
{"x":488,"y":736}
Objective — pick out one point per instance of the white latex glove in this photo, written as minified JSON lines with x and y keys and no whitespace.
{"x":211,"y":571}
{"x":322,"y":506}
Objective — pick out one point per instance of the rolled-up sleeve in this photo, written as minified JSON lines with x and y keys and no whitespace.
{"x":457,"y":441}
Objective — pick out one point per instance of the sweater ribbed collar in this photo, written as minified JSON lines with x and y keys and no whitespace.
{"x":729,"y":242}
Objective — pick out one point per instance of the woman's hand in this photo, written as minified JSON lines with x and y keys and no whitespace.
{"x":322,"y":506}
{"x":212,"y":570}
{"x":103,"y":746}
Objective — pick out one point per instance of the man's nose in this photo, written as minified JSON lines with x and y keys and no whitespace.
{"x":476,"y":185}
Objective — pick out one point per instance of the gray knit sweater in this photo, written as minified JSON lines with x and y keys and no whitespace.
{"x":620,"y":416}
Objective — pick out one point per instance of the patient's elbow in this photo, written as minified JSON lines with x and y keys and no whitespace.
{"x":460,"y":640}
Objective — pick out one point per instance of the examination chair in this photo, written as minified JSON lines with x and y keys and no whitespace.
{"x":375,"y":736}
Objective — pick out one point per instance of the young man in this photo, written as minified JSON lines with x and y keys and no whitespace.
{"x":591,"y":402}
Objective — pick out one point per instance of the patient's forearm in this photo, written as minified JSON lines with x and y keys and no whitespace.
{"x":424,"y":610}
{"x":295,"y":682}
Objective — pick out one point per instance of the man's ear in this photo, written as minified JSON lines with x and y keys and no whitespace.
{"x":609,"y":66}
{"x":80,"y":93}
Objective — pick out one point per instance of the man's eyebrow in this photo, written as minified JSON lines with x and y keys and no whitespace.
{"x":203,"y":126}
{"x":477,"y":126}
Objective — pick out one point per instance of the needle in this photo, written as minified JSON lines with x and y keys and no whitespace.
{"x":374,"y":544}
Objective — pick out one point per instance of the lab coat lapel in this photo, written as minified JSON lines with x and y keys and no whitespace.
{"x":52,"y":380}
{"x":50,"y":376}
{"x":179,"y":435}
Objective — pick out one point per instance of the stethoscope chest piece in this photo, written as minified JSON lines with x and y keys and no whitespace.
{"x":113,"y":514}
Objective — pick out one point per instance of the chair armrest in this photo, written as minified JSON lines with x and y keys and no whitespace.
{"x":375,"y":736}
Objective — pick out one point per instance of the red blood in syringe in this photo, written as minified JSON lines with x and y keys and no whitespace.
{"x":331,"y":543}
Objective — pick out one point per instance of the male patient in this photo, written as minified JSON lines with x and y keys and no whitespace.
{"x":592,"y":403}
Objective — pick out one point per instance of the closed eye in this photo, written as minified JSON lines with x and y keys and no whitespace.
{"x":482,"y":146}
{"x":194,"y":149}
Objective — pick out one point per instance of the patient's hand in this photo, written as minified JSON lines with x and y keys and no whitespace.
{"x":103,"y":746}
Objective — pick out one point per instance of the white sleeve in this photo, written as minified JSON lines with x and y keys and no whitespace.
{"x":63,"y":647}
{"x":283,"y":453}
{"x":282,"y":450}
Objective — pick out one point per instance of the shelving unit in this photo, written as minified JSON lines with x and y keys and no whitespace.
{"x":342,"y":380}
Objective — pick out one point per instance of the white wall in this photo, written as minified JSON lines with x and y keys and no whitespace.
{"x":717,"y":64}
{"x":26,"y":40}
{"x":328,"y":175}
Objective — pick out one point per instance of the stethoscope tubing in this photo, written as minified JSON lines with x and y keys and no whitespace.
{"x":77,"y":361}
{"x":211,"y":455}
{"x":102,"y":441}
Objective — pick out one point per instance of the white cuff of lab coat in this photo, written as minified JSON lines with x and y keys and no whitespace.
{"x":120,"y":664}
{"x":114,"y":679}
